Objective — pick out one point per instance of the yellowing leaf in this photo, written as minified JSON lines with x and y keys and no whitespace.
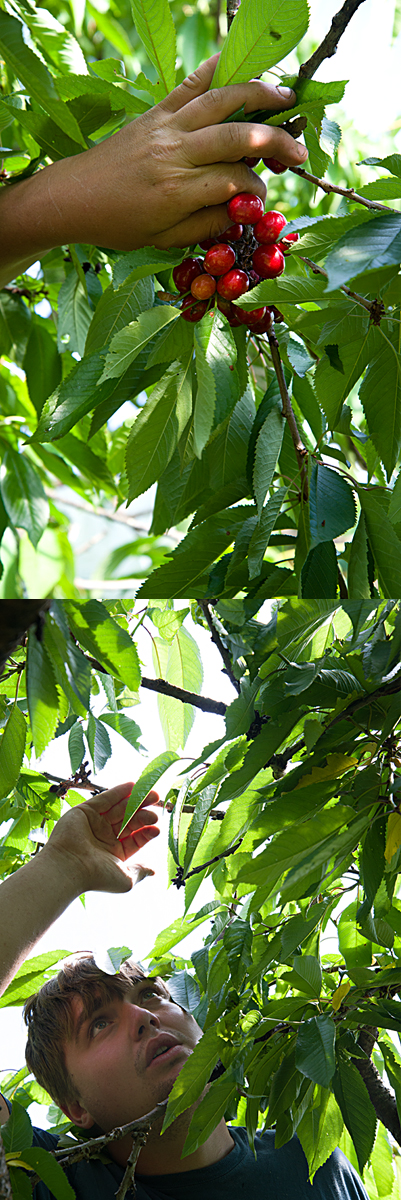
{"x":336,"y":765}
{"x":338,"y":995}
{"x":393,"y":840}
{"x":13,"y":1160}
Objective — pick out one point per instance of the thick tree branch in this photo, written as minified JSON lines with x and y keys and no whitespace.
{"x":167,"y":689}
{"x":288,"y":412}
{"x":218,"y":642}
{"x":383,"y":1100}
{"x":16,"y":618}
{"x":232,"y":9}
{"x":329,"y":44}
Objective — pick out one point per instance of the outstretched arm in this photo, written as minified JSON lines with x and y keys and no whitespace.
{"x":163,"y":180}
{"x":82,"y":854}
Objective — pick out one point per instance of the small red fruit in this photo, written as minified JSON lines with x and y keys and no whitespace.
{"x":208,"y":243}
{"x":203,"y":287}
{"x":245,"y":207}
{"x":192,"y":311}
{"x":233,"y":234}
{"x":229,"y":310}
{"x":274,"y":165}
{"x":233,"y":284}
{"x":266,"y":323}
{"x":268,"y":261}
{"x":219,"y":259}
{"x":288,"y":241}
{"x":186,"y":272}
{"x":251,"y":162}
{"x":252,"y":317}
{"x":269,"y":227}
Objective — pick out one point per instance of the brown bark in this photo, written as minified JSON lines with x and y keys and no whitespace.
{"x":16,"y":616}
{"x":5,"y":1185}
{"x":382,"y":1098}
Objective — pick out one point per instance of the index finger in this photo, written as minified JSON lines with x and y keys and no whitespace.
{"x":211,"y":107}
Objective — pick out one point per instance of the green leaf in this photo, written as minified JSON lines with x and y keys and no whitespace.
{"x":193,"y":1077}
{"x":319,"y":575}
{"x":381,"y":189}
{"x":75,"y":396}
{"x":12,"y":746}
{"x":314,"y":1053}
{"x":332,"y":387}
{"x":356,"y":1108}
{"x":71,"y":667}
{"x":382,"y":378}
{"x":262,"y":33}
{"x":261,"y":534}
{"x":154,"y":23}
{"x":123,"y":725}
{"x":205,"y":401}
{"x":98,"y":742}
{"x":50,"y":1171}
{"x":358,"y":578}
{"x":319,"y":1131}
{"x":385,"y":545}
{"x":76,"y":746}
{"x":332,"y":506}
{"x":267,"y":450}
{"x":17,"y":1133}
{"x":118,"y":955}
{"x":184,"y":574}
{"x":182,"y":668}
{"x":118,"y":306}
{"x":240,"y":712}
{"x":309,"y":972}
{"x":33,"y":74}
{"x":23,"y":496}
{"x":184,"y":990}
{"x":128,"y":343}
{"x":146,"y":782}
{"x":217,"y":340}
{"x":41,"y":693}
{"x":365,"y":249}
{"x":209,"y":1112}
{"x":74,"y":315}
{"x":41,"y":363}
{"x":356,"y":950}
{"x":106,"y":641}
{"x":158,"y":428}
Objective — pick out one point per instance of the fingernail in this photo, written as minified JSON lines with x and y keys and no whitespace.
{"x":302,"y":153}
{"x":286,"y":91}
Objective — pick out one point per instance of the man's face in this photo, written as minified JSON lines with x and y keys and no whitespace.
{"x":113,"y":1057}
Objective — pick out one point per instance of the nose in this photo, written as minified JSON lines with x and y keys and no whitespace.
{"x":141,"y":1021}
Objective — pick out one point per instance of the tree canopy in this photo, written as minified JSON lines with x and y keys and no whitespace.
{"x":279,"y":451}
{"x":294,"y":814}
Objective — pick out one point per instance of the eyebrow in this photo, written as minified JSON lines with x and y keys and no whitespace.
{"x":134,"y":981}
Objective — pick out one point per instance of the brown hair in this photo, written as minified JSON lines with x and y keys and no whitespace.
{"x":49,"y":1017}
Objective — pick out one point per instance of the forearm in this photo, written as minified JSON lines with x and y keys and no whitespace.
{"x":33,"y":219}
{"x":30,"y":901}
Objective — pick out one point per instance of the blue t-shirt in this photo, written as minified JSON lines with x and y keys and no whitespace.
{"x":273,"y":1175}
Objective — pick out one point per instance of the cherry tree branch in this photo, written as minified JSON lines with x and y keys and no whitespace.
{"x":5,"y":1185}
{"x":383,"y":1100}
{"x":329,"y":44}
{"x":218,"y":642}
{"x":288,"y":412}
{"x":375,"y":308}
{"x":350,"y":193}
{"x":167,"y":689}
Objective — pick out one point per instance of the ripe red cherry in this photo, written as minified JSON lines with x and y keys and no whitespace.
{"x":266,"y":323}
{"x":233,"y":234}
{"x":186,"y":272}
{"x":233,"y":284}
{"x":229,"y":310}
{"x":203,"y":287}
{"x":251,"y":162}
{"x":252,"y":317}
{"x":192,"y":311}
{"x":219,"y":259}
{"x":268,"y":261}
{"x":274,"y":165}
{"x":245,"y":208}
{"x":269,"y":227}
{"x":208,"y":242}
{"x":288,"y":241}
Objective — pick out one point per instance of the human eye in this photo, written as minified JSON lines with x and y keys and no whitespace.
{"x":98,"y":1025}
{"x":151,"y":989}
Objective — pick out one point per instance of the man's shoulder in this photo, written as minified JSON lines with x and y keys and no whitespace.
{"x":336,"y":1179}
{"x":42,"y":1137}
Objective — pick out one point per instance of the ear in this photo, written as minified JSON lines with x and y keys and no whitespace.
{"x":79,"y":1116}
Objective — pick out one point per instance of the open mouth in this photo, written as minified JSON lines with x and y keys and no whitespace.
{"x":161,"y":1049}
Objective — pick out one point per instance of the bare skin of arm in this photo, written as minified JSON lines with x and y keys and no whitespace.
{"x":163,"y":180}
{"x":82,"y":854}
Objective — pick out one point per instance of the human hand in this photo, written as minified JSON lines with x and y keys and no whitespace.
{"x":84,"y":841}
{"x":163,"y":180}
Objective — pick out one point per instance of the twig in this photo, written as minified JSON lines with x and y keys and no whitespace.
{"x":120,"y":517}
{"x":180,"y":880}
{"x":218,"y":814}
{"x":95,"y":1146}
{"x":375,"y":308}
{"x":329,"y":44}
{"x":288,"y":412}
{"x":218,"y":642}
{"x":232,"y":9}
{"x":167,"y":689}
{"x":348,"y":192}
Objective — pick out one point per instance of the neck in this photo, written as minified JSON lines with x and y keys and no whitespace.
{"x":162,"y":1155}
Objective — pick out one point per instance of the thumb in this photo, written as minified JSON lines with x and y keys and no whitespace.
{"x":194,"y":85}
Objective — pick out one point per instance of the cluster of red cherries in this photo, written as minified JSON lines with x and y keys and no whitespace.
{"x":234,"y":263}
